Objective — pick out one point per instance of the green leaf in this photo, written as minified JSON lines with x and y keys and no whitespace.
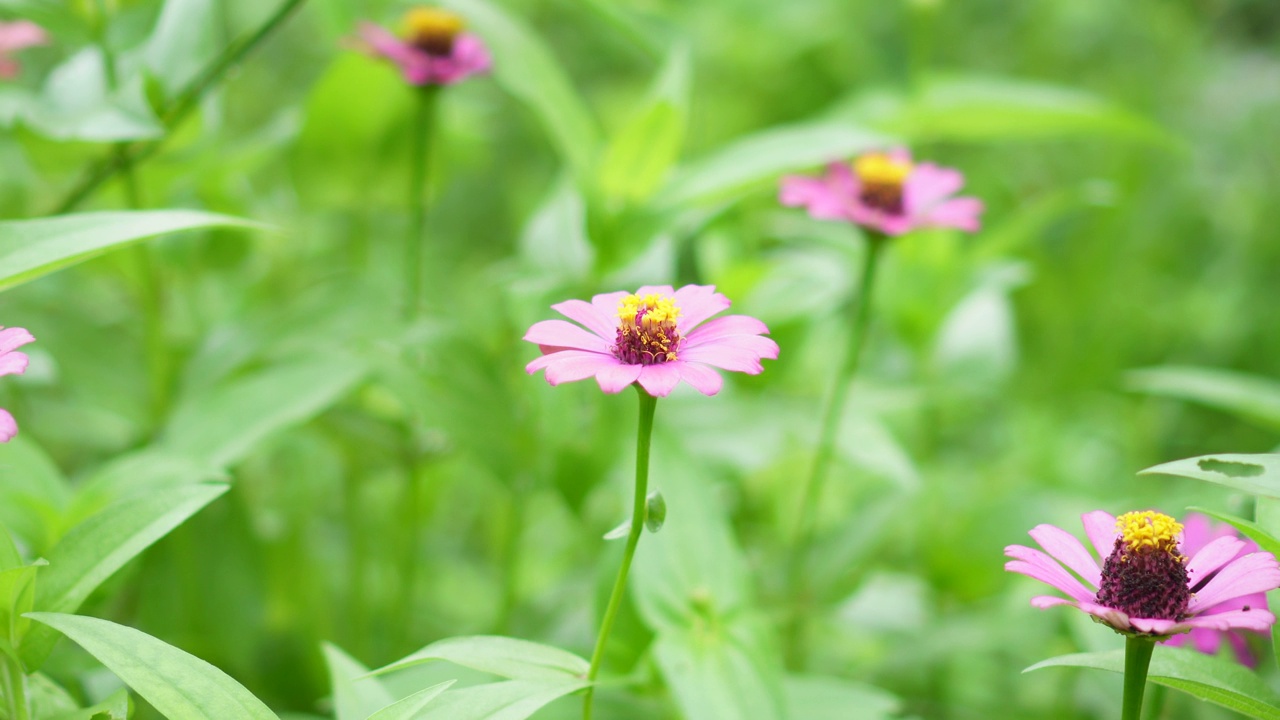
{"x":182,"y":43}
{"x":1265,"y":540}
{"x":763,"y":156}
{"x":638,"y":158}
{"x":77,"y":103}
{"x":356,"y":696}
{"x":1214,"y":679}
{"x":177,"y":684}
{"x":510,"y":700}
{"x":410,"y":707}
{"x":31,"y":248}
{"x":100,"y":545}
{"x":219,"y":425}
{"x":33,"y":492}
{"x":810,"y":697}
{"x":17,"y":596}
{"x":720,"y":672}
{"x":527,"y":69}
{"x":1246,"y":396}
{"x":502,"y":656}
{"x":115,"y":707}
{"x":1255,"y":474}
{"x":554,"y":241}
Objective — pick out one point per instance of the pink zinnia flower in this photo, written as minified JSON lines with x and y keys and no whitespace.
{"x":886,"y":193}
{"x":434,"y":50}
{"x":16,"y":36}
{"x":1145,"y":584}
{"x":1197,"y":533}
{"x":652,"y":337}
{"x":11,"y":363}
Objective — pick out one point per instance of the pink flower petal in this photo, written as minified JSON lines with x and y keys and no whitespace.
{"x":383,"y":43}
{"x":1033,"y":563}
{"x":663,"y":290}
{"x":1064,"y":548}
{"x":561,"y":334}
{"x":702,"y":378}
{"x":1257,"y":620}
{"x":1043,"y":602}
{"x":1211,"y":557}
{"x":470,"y":56}
{"x":723,"y":327}
{"x":569,"y":369}
{"x":1206,"y":641}
{"x":13,"y":363}
{"x":1243,"y":653}
{"x":544,"y":361}
{"x":927,"y":186}
{"x":8,"y":427}
{"x":606,"y":305}
{"x":15,"y":36}
{"x":1100,"y":526}
{"x":1110,"y":616}
{"x":1255,"y":572}
{"x":1195,"y":534}
{"x":14,"y":337}
{"x":613,"y":379}
{"x":725,"y":358}
{"x":817,"y":195}
{"x":660,"y":380}
{"x":1155,"y":626}
{"x":697,"y":303}
{"x":961,"y":213}
{"x":590,"y":317}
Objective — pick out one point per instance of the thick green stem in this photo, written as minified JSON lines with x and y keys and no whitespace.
{"x":859,"y":317}
{"x":419,"y":167}
{"x":131,"y":154}
{"x":1137,"y":658}
{"x":644,"y":434}
{"x":15,"y":690}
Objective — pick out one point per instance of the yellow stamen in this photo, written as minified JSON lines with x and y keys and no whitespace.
{"x":882,"y":169}
{"x":658,"y":309}
{"x":1149,"y":530}
{"x":431,"y":28}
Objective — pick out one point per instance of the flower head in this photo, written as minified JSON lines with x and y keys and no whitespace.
{"x":12,"y":362}
{"x":1197,"y":533}
{"x":16,"y":36}
{"x":885,"y":192}
{"x":1149,"y":583}
{"x":655,"y":337}
{"x":432,"y":48}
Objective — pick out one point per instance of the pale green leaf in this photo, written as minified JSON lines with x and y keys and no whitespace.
{"x":1255,"y":474}
{"x":1246,"y":396}
{"x":179,"y":685}
{"x":810,"y":697}
{"x":182,"y":43}
{"x":115,"y":707}
{"x":411,"y":706}
{"x":77,"y":103}
{"x":33,"y":492}
{"x":356,"y":696}
{"x":1214,"y":679}
{"x":502,"y":656}
{"x":638,"y":158}
{"x":555,"y":241}
{"x":31,"y":248}
{"x":1266,"y":541}
{"x":720,"y":672}
{"x":510,"y":700}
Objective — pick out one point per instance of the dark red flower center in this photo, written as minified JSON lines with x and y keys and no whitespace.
{"x":881,"y":178}
{"x":432,"y":30}
{"x":647,"y":333}
{"x":1145,"y":576}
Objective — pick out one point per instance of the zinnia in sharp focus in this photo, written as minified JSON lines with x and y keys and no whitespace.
{"x":1197,"y":532}
{"x":433,"y":49}
{"x":655,"y":337}
{"x":887,"y":193}
{"x":17,"y":36}
{"x":12,"y":362}
{"x":1146,"y":583}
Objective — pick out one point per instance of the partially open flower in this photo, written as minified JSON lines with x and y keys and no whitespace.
{"x":887,"y":193}
{"x":652,"y":337}
{"x":16,"y":36}
{"x":433,"y":49}
{"x":1197,"y":532}
{"x":1147,"y":585}
{"x":12,"y":362}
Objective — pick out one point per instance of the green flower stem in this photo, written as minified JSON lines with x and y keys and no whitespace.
{"x":130,"y":154}
{"x":1137,"y":658}
{"x":424,"y":121}
{"x":15,"y":689}
{"x":644,"y":434}
{"x":859,"y":318}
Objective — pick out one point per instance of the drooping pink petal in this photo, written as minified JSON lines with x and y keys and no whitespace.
{"x":544,"y":361}
{"x":607,"y":304}
{"x":14,"y":337}
{"x":1256,"y":620}
{"x":660,"y":380}
{"x":558,"y":333}
{"x":1241,"y":648}
{"x":1111,"y":616}
{"x":589,"y":317}
{"x":961,"y":213}
{"x":1211,"y":557}
{"x":569,"y":369}
{"x":1155,"y":626}
{"x":725,"y":358}
{"x":1033,"y":563}
{"x":8,"y":427}
{"x":816,"y":195}
{"x":13,"y":363}
{"x":1066,"y":549}
{"x":702,"y":378}
{"x":384,"y":43}
{"x":1255,"y":572}
{"x":927,"y":186}
{"x":1100,"y":526}
{"x":614,"y":378}
{"x":724,"y":327}
{"x":1206,"y":641}
{"x":1042,"y":602}
{"x":470,"y":56}
{"x":22,"y":34}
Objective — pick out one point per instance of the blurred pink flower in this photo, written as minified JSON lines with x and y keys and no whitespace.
{"x":886,"y":193}
{"x":1199,"y":531}
{"x":434,"y":50}
{"x":12,"y":362}
{"x":652,"y":337}
{"x":1146,"y":585}
{"x":16,"y":36}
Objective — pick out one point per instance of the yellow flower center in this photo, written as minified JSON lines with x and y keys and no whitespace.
{"x":647,"y":332}
{"x":1148,"y":530}
{"x":882,"y":177}
{"x":432,"y":29}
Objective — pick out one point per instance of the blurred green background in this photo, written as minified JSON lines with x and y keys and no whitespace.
{"x":1128,"y":157}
